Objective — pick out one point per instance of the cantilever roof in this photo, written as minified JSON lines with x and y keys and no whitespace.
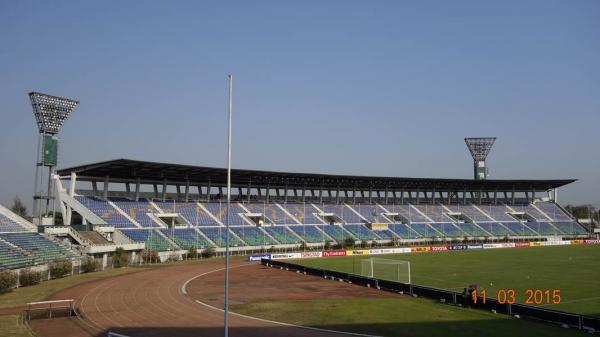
{"x":130,"y":170}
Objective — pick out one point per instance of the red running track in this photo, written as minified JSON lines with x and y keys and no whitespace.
{"x":153,"y":303}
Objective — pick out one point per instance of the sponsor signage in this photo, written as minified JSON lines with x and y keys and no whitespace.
{"x":457,"y":247}
{"x":334,"y":253}
{"x":357,"y":252}
{"x":498,"y":245}
{"x":536,"y":243}
{"x":252,"y":258}
{"x":439,"y":249}
{"x":307,"y":255}
{"x":474,"y":246}
{"x":576,"y":242}
{"x":381,"y":251}
{"x":285,"y":256}
{"x":420,"y":249}
{"x":401,"y":250}
{"x":592,"y":242}
{"x":521,"y":244}
{"x":556,"y":243}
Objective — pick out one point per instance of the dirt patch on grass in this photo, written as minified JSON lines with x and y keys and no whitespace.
{"x":259,"y":283}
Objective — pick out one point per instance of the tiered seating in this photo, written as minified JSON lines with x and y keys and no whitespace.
{"x":361,"y":232}
{"x":531,"y":211}
{"x":471,"y":212}
{"x":271,"y":211}
{"x":152,"y":238}
{"x":137,"y":210}
{"x":304,"y":213}
{"x":544,"y":228}
{"x":253,"y":236}
{"x":471,"y":230}
{"x":105,"y":211}
{"x":553,"y":211}
{"x":372,"y":213}
{"x":570,"y":227}
{"x":219,"y":210}
{"x":186,"y":238}
{"x":407,"y":212}
{"x":12,"y":258}
{"x":434,"y":212}
{"x":386,"y":234}
{"x":193,"y":213}
{"x":282,"y":234}
{"x":519,"y":229}
{"x":37,"y":246}
{"x":448,"y":229}
{"x":94,"y":237}
{"x":496,"y":229}
{"x":343,"y":213}
{"x":310,"y":234}
{"x":497,"y":212}
{"x":403,"y":231}
{"x":8,"y":225}
{"x":336,"y":232}
{"x":217,"y":235}
{"x":425,"y":230}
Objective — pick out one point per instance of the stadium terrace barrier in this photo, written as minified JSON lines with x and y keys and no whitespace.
{"x":447,"y":296}
{"x":416,"y":249}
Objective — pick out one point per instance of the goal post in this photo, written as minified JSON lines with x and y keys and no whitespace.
{"x":386,"y":269}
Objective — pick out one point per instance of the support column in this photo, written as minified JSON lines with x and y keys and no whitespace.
{"x":164,"y":190}
{"x":105,"y":192}
{"x":187,"y":190}
{"x":137,"y":189}
{"x":208,"y":188}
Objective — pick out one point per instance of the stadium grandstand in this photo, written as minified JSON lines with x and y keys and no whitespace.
{"x":21,"y":246}
{"x":171,"y":208}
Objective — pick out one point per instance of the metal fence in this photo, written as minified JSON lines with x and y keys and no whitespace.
{"x":447,"y":296}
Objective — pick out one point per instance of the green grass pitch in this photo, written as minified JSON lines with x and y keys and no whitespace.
{"x":574,"y":270}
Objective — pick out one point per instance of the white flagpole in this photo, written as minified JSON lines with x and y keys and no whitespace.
{"x":230,"y":103}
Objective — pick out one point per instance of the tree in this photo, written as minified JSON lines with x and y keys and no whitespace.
{"x":192,"y":253}
{"x":580,"y":212}
{"x":19,"y":208}
{"x":349,"y":242}
{"x":120,"y":258}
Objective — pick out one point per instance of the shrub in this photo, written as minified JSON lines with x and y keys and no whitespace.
{"x":303,"y":246}
{"x":173,"y":257}
{"x":89,"y":265}
{"x":349,"y":242}
{"x":327,"y":245}
{"x":192,"y":253}
{"x":208,"y":253}
{"x":29,"y":277}
{"x":149,"y":256}
{"x":8,"y":280}
{"x":120,"y":258}
{"x":60,"y":268}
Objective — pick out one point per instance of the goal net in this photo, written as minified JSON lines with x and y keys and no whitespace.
{"x":386,"y":269}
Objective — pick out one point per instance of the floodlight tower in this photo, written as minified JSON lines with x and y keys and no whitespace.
{"x":480,"y":147}
{"x":50,"y":112}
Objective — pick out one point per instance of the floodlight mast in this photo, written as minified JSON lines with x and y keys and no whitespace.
{"x":480,"y":148}
{"x":50,"y":112}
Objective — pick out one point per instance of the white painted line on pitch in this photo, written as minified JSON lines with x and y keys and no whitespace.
{"x":184,"y":290}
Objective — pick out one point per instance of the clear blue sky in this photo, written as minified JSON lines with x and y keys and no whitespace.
{"x":368,"y":88}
